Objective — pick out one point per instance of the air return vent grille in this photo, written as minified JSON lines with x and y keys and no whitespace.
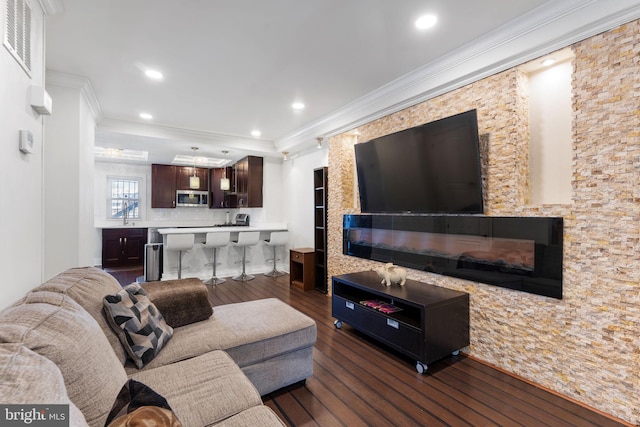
{"x":17,"y":37}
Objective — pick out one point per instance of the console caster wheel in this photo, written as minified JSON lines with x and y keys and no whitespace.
{"x":421,"y":367}
{"x":338,"y":324}
{"x":455,"y":353}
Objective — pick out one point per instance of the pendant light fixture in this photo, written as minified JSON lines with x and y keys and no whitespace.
{"x":194,"y":181}
{"x":225,"y":185}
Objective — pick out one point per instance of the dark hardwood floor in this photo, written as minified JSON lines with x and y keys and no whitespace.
{"x":357,"y":382}
{"x":126,"y":275}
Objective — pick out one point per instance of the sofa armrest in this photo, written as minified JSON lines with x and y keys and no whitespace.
{"x":180,"y":302}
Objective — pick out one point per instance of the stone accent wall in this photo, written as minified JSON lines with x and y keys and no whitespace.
{"x":587,"y":345}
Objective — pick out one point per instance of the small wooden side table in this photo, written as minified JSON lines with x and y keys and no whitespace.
{"x":301,"y":268}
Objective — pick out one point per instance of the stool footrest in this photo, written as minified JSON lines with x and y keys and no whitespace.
{"x":243,"y":277}
{"x":215,"y":281}
{"x":275,"y":273}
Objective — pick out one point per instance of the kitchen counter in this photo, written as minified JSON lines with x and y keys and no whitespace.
{"x":232,"y":228}
{"x":196,"y":262}
{"x":154,"y":224}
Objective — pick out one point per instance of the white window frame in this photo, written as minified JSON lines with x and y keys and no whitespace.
{"x":137,"y":213}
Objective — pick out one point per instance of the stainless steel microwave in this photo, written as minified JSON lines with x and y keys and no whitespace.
{"x":192,"y":199}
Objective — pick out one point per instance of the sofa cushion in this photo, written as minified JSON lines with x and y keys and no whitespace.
{"x":203,"y":390}
{"x":261,"y":416}
{"x":181,"y":302}
{"x":29,"y":378}
{"x":138,"y":405}
{"x":88,"y":286}
{"x":250,"y":332}
{"x":138,"y":323}
{"x":280,"y":371}
{"x":56,"y":327}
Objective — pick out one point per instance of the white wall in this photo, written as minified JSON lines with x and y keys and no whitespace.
{"x":20,"y":174}
{"x":68,"y":182}
{"x":550,"y":117}
{"x":273,"y":193}
{"x":86,"y":173}
{"x":297,"y":181}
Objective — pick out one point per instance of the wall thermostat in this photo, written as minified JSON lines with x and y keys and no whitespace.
{"x":26,"y":142}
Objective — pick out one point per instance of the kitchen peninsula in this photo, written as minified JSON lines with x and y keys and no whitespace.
{"x":197,"y":262}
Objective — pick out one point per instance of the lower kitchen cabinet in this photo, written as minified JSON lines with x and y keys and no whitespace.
{"x":123,"y":246}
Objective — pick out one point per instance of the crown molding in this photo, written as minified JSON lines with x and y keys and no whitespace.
{"x":83,"y":84}
{"x":51,"y":7}
{"x":550,"y":27}
{"x":111,"y":125}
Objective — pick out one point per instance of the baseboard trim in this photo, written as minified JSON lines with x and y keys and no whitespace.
{"x":541,"y":387}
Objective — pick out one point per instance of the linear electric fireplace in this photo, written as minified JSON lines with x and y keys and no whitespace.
{"x":521,"y":253}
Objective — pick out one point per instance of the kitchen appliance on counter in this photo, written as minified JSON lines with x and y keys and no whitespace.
{"x":192,"y":199}
{"x":242,"y":219}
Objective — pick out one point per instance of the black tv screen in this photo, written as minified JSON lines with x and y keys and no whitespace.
{"x":432,"y":168}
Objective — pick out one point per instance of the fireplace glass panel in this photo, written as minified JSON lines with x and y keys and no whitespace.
{"x":521,"y":253}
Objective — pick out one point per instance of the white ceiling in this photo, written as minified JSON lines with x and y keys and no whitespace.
{"x":231,"y":66}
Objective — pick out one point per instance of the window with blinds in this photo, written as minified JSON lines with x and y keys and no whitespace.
{"x":17,"y":35}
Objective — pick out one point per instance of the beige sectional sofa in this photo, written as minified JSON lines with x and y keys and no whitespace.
{"x":56,"y":346}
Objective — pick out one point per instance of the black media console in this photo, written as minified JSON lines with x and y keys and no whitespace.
{"x":422,"y":321}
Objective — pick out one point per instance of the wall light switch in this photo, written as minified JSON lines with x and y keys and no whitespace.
{"x":26,"y":142}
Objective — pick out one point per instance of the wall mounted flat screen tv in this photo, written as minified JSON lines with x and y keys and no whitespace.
{"x":431,"y":168}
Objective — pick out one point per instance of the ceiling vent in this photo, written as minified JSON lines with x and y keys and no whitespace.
{"x":17,"y":37}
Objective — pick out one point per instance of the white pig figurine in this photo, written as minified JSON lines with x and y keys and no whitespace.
{"x":390,"y":273}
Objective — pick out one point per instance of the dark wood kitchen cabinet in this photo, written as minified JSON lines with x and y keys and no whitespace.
{"x":219,"y":198}
{"x":123,"y":246}
{"x":184,"y":173}
{"x":163,"y":186}
{"x":249,"y":180}
{"x":166,"y":179}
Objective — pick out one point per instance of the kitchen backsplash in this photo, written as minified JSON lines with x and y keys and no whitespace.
{"x":214,"y":216}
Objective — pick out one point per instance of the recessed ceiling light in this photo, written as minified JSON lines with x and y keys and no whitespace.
{"x":548,"y":61}
{"x":146,"y":116}
{"x":256,"y":133}
{"x":297,"y":106}
{"x":154,"y":74}
{"x":426,"y":21}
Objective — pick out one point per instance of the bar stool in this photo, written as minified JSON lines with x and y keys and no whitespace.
{"x":216,"y":240}
{"x":277,"y":238}
{"x":180,"y":242}
{"x":246,"y":238}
